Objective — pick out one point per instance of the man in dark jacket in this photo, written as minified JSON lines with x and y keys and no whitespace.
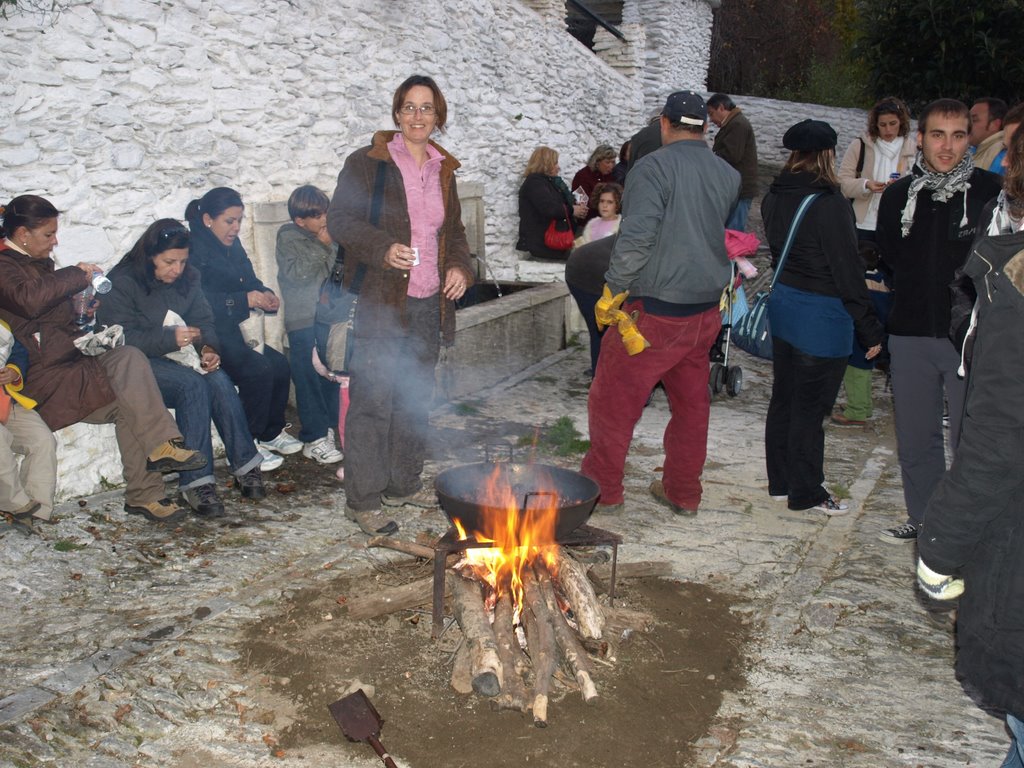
{"x":974,"y":538}
{"x":735,"y":144}
{"x":926,"y":222}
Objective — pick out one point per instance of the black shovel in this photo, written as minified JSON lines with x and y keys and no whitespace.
{"x":359,"y":721}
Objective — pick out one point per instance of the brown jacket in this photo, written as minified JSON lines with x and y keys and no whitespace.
{"x":384,"y":288}
{"x":34,"y":301}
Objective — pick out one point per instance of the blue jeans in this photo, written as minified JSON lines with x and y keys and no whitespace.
{"x":738,"y":217}
{"x":1015,"y":757}
{"x":196,"y":398}
{"x":315,"y":397}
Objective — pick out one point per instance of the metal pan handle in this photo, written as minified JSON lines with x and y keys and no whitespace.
{"x":499,"y":446}
{"x":526,"y":498}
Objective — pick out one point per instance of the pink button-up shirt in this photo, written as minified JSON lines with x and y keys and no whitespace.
{"x":426,"y":213}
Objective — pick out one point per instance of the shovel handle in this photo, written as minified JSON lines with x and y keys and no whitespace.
{"x":381,"y":752}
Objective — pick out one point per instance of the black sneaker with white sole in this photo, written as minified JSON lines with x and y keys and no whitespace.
{"x":901,"y":534}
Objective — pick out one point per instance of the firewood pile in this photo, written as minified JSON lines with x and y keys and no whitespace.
{"x":521,"y":657}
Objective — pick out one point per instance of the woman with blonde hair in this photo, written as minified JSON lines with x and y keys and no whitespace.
{"x":543,"y":199}
{"x":817,"y":306}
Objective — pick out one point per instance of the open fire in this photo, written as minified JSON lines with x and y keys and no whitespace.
{"x":512,"y":598}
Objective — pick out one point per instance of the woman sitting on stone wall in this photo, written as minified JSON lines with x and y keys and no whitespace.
{"x":232,"y":289}
{"x":600,"y":169}
{"x":544,"y":198}
{"x":157,"y":300}
{"x":116,"y":386}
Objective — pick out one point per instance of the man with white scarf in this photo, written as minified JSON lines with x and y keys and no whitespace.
{"x":926,"y":222}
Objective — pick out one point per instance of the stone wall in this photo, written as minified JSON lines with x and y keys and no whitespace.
{"x":121,"y":111}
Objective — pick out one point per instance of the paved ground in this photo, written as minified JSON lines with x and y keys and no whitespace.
{"x":119,"y":637}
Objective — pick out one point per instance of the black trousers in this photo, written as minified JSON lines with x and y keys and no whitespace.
{"x":263,"y":382}
{"x":803,"y":393}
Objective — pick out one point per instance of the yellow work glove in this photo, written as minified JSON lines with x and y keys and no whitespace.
{"x":937,"y":585}
{"x":632,"y":339}
{"x":607,"y":307}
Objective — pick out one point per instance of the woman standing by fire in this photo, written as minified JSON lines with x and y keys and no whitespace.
{"x":396,"y":214}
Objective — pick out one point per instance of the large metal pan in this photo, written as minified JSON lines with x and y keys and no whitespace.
{"x":461,"y":490}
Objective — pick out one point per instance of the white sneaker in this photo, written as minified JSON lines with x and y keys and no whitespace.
{"x":284,"y":444}
{"x":322,"y":451}
{"x":270,"y":461}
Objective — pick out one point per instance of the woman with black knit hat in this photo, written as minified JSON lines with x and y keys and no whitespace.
{"x":819,"y":303}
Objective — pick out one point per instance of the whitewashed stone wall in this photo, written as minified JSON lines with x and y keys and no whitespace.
{"x":771,"y":118}
{"x":678,"y":46}
{"x":121,"y":111}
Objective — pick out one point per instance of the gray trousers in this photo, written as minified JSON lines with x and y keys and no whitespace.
{"x":923,"y":369}
{"x":141,"y":421}
{"x":390,"y":392}
{"x":26,"y":433}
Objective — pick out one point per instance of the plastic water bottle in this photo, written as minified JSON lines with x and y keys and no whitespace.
{"x":101,"y":283}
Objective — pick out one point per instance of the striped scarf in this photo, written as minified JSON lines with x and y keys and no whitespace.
{"x":942,"y":185}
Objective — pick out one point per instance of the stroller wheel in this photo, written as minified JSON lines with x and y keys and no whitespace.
{"x":734,"y":380}
{"x":717,"y":378}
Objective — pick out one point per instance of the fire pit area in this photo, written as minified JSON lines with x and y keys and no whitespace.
{"x":521,"y":599}
{"x":525,"y":633}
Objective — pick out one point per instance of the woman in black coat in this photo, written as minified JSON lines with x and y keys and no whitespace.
{"x":817,"y":306}
{"x":152,"y":281}
{"x":543,"y":198}
{"x":232,"y":289}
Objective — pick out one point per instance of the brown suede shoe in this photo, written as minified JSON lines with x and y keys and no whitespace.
{"x":372,"y":521}
{"x":658,"y":492}
{"x":162,"y":511}
{"x":173,"y":456}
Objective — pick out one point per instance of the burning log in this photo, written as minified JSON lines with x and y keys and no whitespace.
{"x":575,"y":657}
{"x":510,"y":653}
{"x":540,"y":633}
{"x":468,"y":604}
{"x":572,"y":578}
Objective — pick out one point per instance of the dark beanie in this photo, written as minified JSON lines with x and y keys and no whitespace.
{"x":810,"y":136}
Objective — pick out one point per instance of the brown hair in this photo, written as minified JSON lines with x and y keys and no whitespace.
{"x":611,"y":187}
{"x":890,"y":105}
{"x":1013,"y":181}
{"x":603,"y":152}
{"x":946,"y":108}
{"x":440,"y":105}
{"x":543,"y":160}
{"x":28,"y":211}
{"x":821,"y":162}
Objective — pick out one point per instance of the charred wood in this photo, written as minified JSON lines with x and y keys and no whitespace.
{"x":572,"y":652}
{"x":579,"y":592}
{"x":468,"y":605}
{"x":540,"y":634}
{"x":513,"y":689}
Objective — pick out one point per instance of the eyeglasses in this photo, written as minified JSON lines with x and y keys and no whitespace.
{"x":412,"y":109}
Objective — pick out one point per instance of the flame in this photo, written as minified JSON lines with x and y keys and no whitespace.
{"x":519,"y":535}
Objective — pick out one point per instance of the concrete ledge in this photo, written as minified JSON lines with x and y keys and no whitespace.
{"x":500,"y":338}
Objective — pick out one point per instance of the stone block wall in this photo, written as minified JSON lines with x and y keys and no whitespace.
{"x":121,"y":111}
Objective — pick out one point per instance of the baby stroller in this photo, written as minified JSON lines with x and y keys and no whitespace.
{"x":733,"y":306}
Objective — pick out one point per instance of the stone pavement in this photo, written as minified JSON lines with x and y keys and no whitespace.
{"x":118,"y":637}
